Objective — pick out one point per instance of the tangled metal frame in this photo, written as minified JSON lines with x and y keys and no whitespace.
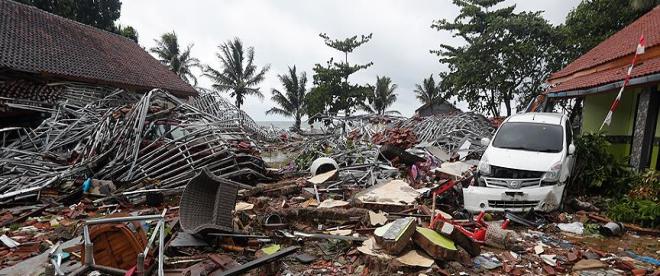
{"x":158,"y":137}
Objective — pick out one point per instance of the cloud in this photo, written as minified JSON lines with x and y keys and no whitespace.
{"x":285,"y":33}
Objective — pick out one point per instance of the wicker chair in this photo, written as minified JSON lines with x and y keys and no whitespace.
{"x":207,"y":204}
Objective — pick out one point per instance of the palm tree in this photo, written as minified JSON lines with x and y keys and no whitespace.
{"x":238,"y":75}
{"x":180,"y":63}
{"x":382,"y":96}
{"x":291,"y":102}
{"x":428,"y":93}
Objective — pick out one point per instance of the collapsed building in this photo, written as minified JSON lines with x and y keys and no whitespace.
{"x":77,"y":102}
{"x":111,"y":163}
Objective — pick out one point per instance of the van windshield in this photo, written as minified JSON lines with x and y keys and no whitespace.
{"x":530,"y":137}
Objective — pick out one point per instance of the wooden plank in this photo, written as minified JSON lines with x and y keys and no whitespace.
{"x":260,"y":261}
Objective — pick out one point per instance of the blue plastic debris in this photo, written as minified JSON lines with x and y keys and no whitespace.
{"x":87,"y":185}
{"x":486,"y":263}
{"x":645,"y":259}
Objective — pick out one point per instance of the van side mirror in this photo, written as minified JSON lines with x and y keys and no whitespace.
{"x":571,"y":149}
{"x":485,"y":141}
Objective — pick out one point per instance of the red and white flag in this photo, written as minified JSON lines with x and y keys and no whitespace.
{"x":615,"y":104}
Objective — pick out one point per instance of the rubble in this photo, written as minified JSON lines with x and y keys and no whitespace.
{"x":395,"y":236}
{"x":158,"y":137}
{"x":182,"y":189}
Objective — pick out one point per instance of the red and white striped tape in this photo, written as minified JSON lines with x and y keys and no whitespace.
{"x":615,"y":104}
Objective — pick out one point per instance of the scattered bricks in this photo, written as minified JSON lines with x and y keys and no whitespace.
{"x":573,"y":256}
{"x":549,"y":270}
{"x":640,"y":272}
{"x":394,"y":236}
{"x":434,"y":244}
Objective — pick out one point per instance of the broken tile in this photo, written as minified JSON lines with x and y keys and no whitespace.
{"x":588,"y":264}
{"x":416,"y":258}
{"x":331,"y":203}
{"x":395,"y":192}
{"x":322,"y":178}
{"x":376,"y":219}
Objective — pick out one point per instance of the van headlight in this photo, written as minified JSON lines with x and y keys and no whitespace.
{"x":484,"y":167}
{"x":553,"y":174}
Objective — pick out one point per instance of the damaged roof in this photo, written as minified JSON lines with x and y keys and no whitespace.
{"x":35,"y":41}
{"x":608,"y":62}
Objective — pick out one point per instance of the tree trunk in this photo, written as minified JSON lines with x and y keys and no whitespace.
{"x":507,"y":103}
{"x":297,"y":125}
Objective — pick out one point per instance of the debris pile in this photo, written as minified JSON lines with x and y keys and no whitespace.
{"x":159,"y":186}
{"x":451,"y":131}
{"x":399,"y":137}
{"x":159,"y":137}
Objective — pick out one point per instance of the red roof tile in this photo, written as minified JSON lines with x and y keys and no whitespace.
{"x":608,"y":76}
{"x":32,"y":40}
{"x":618,"y":45}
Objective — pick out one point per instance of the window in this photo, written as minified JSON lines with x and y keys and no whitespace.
{"x":530,"y":137}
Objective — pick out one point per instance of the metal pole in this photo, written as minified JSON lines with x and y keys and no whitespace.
{"x":123,"y":219}
{"x":140,"y":265}
{"x":161,"y":247}
{"x":89,"y":247}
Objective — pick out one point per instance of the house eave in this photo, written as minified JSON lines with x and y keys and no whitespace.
{"x":648,"y":79}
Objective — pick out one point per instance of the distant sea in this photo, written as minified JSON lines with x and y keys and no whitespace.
{"x":285,"y":124}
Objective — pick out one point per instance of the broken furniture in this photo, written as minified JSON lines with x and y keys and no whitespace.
{"x":159,"y":231}
{"x":207,"y":203}
{"x":116,"y":245}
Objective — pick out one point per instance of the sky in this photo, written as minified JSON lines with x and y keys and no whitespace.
{"x":286,"y":33}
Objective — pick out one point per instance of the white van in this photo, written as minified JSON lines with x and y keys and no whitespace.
{"x":525,"y":166}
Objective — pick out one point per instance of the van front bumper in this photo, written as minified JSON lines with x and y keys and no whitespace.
{"x":545,"y":199}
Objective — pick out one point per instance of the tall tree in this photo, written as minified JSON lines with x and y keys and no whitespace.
{"x":505,"y":56}
{"x":428,"y":92}
{"x":101,"y":14}
{"x":239,"y":75}
{"x":292,"y":101}
{"x":382,"y":96}
{"x":128,"y":32}
{"x":332,"y":91}
{"x":168,"y":52}
{"x":592,"y":21}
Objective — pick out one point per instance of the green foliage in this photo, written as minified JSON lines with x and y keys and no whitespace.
{"x":239,"y":75}
{"x":382,"y":96}
{"x":292,"y":101}
{"x":332,"y":92}
{"x":317,"y":100}
{"x":101,"y":14}
{"x":507,"y":55}
{"x":640,"y":211}
{"x":598,"y":172}
{"x":128,"y":32}
{"x":168,"y":52}
{"x":14,"y":226}
{"x":648,"y":188}
{"x":429,"y":93}
{"x":592,"y":21}
{"x":98,"y":13}
{"x":641,"y":204}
